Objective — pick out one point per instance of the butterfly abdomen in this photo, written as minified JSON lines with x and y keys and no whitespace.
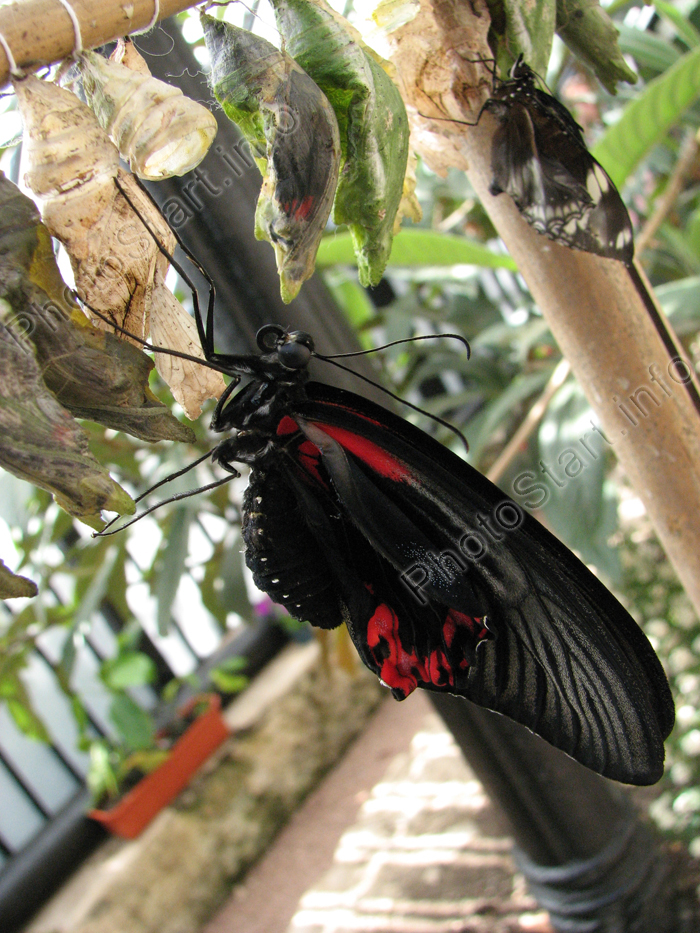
{"x":284,"y":558}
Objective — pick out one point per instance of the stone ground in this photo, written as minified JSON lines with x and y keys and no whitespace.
{"x":400,"y":838}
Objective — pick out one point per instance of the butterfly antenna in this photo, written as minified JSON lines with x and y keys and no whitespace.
{"x":177,"y":498}
{"x":395,"y":343}
{"x":397,"y":398}
{"x":145,"y":344}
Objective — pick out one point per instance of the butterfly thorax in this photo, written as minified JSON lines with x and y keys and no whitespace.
{"x":255,"y":411}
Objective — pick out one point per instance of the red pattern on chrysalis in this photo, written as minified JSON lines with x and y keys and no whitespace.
{"x":299,"y":210}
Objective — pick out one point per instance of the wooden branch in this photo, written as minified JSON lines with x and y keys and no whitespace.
{"x":41,"y":32}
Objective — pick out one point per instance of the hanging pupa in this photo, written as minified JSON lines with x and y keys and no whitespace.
{"x":294,"y":135}
{"x":97,"y":211}
{"x":374,"y":126}
{"x":157,"y":130}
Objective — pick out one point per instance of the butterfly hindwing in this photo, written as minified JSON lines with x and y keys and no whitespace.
{"x":538,"y":637}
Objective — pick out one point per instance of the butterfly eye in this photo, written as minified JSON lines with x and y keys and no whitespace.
{"x":268,"y":337}
{"x":296,"y":352}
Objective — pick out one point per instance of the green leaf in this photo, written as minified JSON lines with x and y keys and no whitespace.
{"x":132,"y":669}
{"x":648,"y":50}
{"x":228,"y":683}
{"x":681,"y":302}
{"x":20,"y":708}
{"x":135,"y":727}
{"x":521,"y":388}
{"x":648,"y":117}
{"x":352,"y":298}
{"x":99,"y":582}
{"x":582,"y":506}
{"x":417,"y":248}
{"x":171,"y":565}
{"x":80,"y":714}
{"x":684,"y":28}
{"x":101,"y":777}
{"x":27,"y":721}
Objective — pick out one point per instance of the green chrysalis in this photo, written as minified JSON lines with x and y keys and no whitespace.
{"x":293,"y":132}
{"x":373,"y":126}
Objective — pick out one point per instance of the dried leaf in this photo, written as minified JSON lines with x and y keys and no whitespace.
{"x":373,"y":126}
{"x":41,"y":443}
{"x":91,"y":373}
{"x":292,"y":131}
{"x":157,"y":130}
{"x":13,"y":586}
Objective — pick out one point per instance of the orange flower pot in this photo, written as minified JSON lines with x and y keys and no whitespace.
{"x":130,"y":816}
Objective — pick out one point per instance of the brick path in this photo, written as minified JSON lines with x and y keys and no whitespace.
{"x":425,"y":855}
{"x":399,"y":838}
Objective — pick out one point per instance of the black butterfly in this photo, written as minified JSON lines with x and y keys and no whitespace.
{"x":539,"y":158}
{"x":354,"y":515}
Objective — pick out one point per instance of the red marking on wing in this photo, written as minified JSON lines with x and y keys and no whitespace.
{"x":308,"y":454}
{"x":358,"y":414}
{"x":299,"y":210}
{"x":287,"y":425}
{"x":380,"y":460}
{"x":310,"y":459}
{"x":474,"y":624}
{"x":400,"y":670}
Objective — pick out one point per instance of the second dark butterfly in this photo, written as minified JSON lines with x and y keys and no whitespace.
{"x":540,"y":159}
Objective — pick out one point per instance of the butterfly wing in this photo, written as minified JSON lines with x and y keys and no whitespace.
{"x":539,"y":158}
{"x":448,"y":585}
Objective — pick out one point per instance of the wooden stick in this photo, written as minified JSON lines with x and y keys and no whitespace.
{"x":41,"y":32}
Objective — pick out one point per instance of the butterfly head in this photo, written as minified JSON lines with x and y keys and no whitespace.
{"x":521,"y":70}
{"x":294,"y":348}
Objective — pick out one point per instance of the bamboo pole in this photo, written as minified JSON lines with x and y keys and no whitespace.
{"x":41,"y":32}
